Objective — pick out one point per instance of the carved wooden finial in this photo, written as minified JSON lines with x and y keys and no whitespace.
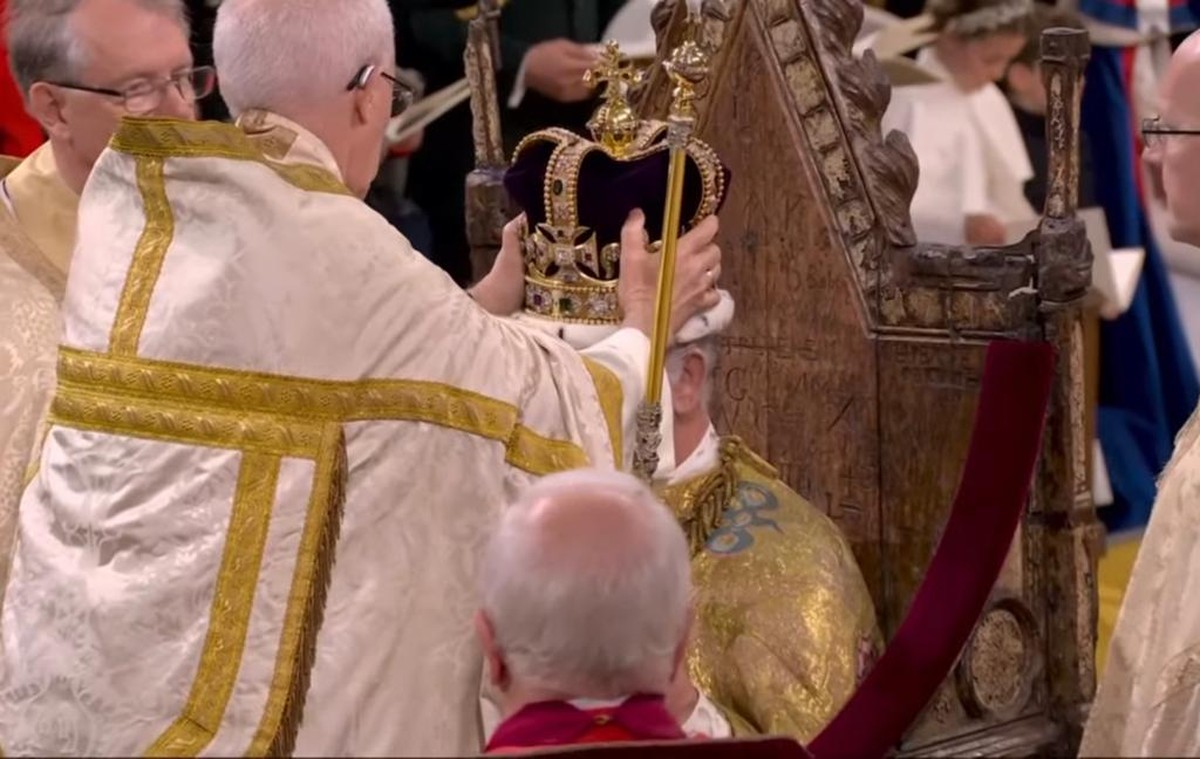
{"x":1065,"y":54}
{"x":1065,"y":260}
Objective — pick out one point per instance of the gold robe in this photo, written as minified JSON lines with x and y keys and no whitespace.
{"x":1148,"y":702}
{"x":785,"y":627}
{"x":278,"y":442}
{"x":37,"y":231}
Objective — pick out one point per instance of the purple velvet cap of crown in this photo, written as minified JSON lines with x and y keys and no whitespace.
{"x":608,"y":190}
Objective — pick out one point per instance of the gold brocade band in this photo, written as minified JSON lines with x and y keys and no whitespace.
{"x":276,"y":414}
{"x":167,"y":138}
{"x":176,"y":422}
{"x":229,"y":620}
{"x":148,"y":258}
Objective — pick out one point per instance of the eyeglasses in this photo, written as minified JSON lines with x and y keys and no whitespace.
{"x":1153,"y":131}
{"x":144,"y":96}
{"x":403,"y":93}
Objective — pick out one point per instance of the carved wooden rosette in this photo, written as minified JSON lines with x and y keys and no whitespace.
{"x":488,"y":204}
{"x":855,"y":360}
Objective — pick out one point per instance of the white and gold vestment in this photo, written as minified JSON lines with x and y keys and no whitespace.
{"x":1148,"y":702}
{"x":279,"y":439}
{"x":37,"y":230}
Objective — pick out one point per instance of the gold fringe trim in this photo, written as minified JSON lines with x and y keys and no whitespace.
{"x":276,"y":734}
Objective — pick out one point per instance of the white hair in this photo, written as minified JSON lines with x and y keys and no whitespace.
{"x":600,"y":610}
{"x":43,"y":46}
{"x":707,"y":348}
{"x":282,"y":54}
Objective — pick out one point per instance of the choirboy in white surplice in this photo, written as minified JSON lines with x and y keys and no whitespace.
{"x":279,"y":437}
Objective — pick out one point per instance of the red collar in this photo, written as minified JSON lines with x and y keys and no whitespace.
{"x":558,"y":723}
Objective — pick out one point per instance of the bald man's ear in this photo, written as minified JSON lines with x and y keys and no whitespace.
{"x":492,"y":655}
{"x":363,"y":100}
{"x":46,"y":107}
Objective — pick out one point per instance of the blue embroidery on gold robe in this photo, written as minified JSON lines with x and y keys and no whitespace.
{"x":744,"y":512}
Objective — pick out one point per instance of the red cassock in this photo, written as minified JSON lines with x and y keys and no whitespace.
{"x":19,"y":134}
{"x":558,"y":723}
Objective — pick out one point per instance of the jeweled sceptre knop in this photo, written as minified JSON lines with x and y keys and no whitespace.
{"x":687,"y":67}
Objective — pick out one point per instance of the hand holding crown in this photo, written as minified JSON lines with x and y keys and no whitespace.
{"x":594,"y":207}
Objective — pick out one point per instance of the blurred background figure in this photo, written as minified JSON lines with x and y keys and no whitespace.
{"x":973,"y":160}
{"x":20,"y":134}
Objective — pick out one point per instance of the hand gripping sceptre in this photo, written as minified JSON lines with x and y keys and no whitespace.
{"x":686,"y":67}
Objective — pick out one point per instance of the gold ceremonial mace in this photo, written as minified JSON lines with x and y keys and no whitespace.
{"x":686,"y":67}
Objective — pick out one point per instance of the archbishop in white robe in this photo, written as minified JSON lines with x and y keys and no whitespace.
{"x":1148,"y":702}
{"x":278,"y":441}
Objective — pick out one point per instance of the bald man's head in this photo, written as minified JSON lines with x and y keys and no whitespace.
{"x":1175,"y":157}
{"x":586,"y":589}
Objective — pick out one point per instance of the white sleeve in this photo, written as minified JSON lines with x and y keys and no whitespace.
{"x":974,"y":175}
{"x":706,"y":720}
{"x":626,"y":353}
{"x":518,"y":91}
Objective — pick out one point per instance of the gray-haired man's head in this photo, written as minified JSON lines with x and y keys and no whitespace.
{"x":586,"y":592}
{"x":76,"y":61}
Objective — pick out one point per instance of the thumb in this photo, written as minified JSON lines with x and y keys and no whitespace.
{"x":510,"y":237}
{"x":633,"y":233}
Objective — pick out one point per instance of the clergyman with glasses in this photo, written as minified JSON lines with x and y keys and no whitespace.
{"x":81,"y":65}
{"x":281,"y":436}
{"x":1148,"y":702}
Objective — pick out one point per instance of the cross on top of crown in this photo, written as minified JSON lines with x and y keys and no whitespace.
{"x":613,"y":71}
{"x":614,"y":124}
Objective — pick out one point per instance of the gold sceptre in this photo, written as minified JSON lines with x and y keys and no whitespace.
{"x":686,"y":67}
